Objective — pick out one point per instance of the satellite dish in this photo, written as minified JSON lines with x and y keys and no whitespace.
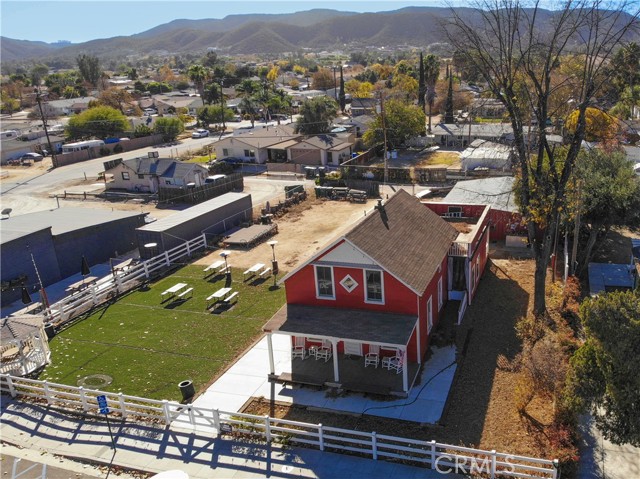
{"x":6,"y":211}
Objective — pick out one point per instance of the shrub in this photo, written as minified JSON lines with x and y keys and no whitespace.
{"x":104,"y":151}
{"x":118,"y":148}
{"x":571,"y":298}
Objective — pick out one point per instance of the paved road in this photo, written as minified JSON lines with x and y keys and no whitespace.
{"x":30,"y":194}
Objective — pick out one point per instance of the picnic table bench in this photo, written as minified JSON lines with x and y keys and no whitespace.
{"x":173,"y":291}
{"x":265,"y":272}
{"x":218,"y":296}
{"x":253,"y":270}
{"x":214,"y":266}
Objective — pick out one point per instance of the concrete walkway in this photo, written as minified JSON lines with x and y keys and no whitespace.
{"x":154,"y":448}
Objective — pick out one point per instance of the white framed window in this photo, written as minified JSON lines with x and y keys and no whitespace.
{"x":225,"y":152}
{"x":429,"y":314}
{"x":374,"y":291}
{"x":348,"y":283}
{"x":125,"y":175}
{"x":440,"y":294}
{"x":324,"y":282}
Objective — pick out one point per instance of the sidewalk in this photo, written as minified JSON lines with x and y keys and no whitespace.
{"x":152,"y":449}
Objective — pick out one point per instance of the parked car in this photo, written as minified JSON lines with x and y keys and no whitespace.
{"x":213,"y":179}
{"x":150,"y":111}
{"x":31,"y":157}
{"x":200,"y":133}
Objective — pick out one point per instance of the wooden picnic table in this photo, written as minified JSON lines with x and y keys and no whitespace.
{"x":218,"y":296}
{"x":81,"y":284}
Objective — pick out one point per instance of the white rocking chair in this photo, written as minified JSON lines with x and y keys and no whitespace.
{"x":372,"y":358}
{"x":299,"y":350}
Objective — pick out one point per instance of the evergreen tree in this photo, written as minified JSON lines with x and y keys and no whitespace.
{"x":448,"y":106}
{"x":421,"y":85}
{"x":341,"y":95}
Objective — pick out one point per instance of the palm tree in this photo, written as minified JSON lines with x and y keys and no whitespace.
{"x":198,"y":75}
{"x":249,"y":107}
{"x":316,"y":115}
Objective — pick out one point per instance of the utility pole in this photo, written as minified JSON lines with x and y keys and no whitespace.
{"x":384,"y":133}
{"x":54,"y":160}
{"x":224,"y":127}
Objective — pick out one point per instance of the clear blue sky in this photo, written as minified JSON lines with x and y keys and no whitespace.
{"x":81,"y":21}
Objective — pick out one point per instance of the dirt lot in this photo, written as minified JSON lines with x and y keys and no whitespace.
{"x":305,"y":229}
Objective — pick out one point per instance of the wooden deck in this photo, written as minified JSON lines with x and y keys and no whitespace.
{"x":353,"y":375}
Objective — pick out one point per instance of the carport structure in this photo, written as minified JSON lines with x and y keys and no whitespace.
{"x":351,"y":334}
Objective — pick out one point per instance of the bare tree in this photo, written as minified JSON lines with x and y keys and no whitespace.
{"x":520,"y":50}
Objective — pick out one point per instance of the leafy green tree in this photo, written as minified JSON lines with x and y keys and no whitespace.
{"x":115,"y":98}
{"x":401,"y":120}
{"x":316,"y":115}
{"x":89,"y":67}
{"x":323,"y":79}
{"x":604,"y":377}
{"x":421,"y":85}
{"x":100,"y":122}
{"x":210,"y":59}
{"x":342,"y":97}
{"x":38,"y":73}
{"x":142,"y":130}
{"x":213,"y":114}
{"x":155,"y":87}
{"x":610,"y":196}
{"x":448,"y":106}
{"x":169,"y":128}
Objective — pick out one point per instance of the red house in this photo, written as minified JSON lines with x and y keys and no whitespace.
{"x":365,"y":306}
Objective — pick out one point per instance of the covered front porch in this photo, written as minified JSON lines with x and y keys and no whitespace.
{"x":355,"y":350}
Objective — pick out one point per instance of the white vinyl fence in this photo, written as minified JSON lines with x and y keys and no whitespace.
{"x":442,"y":457}
{"x":120,"y":282}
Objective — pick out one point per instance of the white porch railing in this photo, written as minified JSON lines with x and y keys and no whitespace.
{"x":109,"y":286}
{"x":442,"y":457}
{"x":459,"y":249}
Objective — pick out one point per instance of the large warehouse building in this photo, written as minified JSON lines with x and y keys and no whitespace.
{"x":55,"y":241}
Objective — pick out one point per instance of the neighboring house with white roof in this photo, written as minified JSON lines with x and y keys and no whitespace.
{"x":254,"y":144}
{"x":148,"y":174}
{"x":165,"y":103}
{"x":321,"y":150}
{"x":67,"y":106}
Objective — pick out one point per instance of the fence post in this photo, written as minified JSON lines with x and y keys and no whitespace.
{"x":166,"y":258}
{"x":374,"y":445}
{"x":83,"y":398}
{"x":146,"y":269}
{"x":166,"y":412}
{"x":12,"y":389}
{"x":267,"y":428}
{"x":123,"y":406}
{"x":493,"y":464}
{"x":320,"y":437}
{"x":204,"y":241}
{"x":188,"y":249}
{"x":556,"y":469}
{"x":216,"y":420}
{"x":192,"y":419}
{"x":46,"y":392}
{"x":433,"y":453}
{"x":94,"y":298}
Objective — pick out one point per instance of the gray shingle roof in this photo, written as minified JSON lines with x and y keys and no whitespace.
{"x":497,"y":192}
{"x":406,"y":238}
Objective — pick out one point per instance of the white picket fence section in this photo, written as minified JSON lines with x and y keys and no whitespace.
{"x":463,"y":308}
{"x":122,"y":281}
{"x":442,"y":457}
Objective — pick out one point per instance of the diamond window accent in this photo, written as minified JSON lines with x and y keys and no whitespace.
{"x":349,"y":283}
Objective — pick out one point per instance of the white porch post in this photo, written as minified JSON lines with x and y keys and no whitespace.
{"x":334,"y":347}
{"x":418,"y":343}
{"x":405,"y":373}
{"x":272,"y":368}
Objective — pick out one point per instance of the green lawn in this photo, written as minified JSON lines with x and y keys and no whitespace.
{"x":148,"y":347}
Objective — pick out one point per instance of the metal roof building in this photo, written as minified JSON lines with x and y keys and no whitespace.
{"x":55,"y":240}
{"x":214,"y":217}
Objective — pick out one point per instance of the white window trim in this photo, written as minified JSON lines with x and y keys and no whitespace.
{"x":440,"y":294}
{"x":333,"y":284}
{"x":366,"y":286}
{"x":429,"y":315}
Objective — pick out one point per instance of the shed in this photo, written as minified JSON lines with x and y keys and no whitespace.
{"x":487,"y":154}
{"x":605,"y":277}
{"x":213,"y":217}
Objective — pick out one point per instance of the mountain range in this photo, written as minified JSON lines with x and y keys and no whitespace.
{"x":318,"y":29}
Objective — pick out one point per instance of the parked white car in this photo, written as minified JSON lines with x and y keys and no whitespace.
{"x":200,"y":133}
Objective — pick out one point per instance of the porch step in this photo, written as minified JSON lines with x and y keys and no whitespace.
{"x":367,"y":388}
{"x":287,"y":378}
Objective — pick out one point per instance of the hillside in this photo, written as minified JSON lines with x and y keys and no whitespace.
{"x":236,"y":34}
